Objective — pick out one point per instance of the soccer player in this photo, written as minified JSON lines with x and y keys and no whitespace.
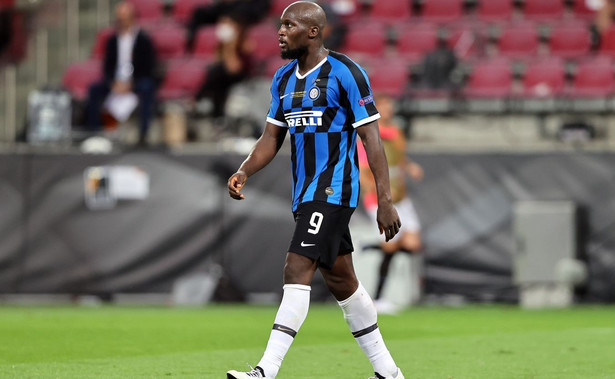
{"x":408,"y":239}
{"x":324,"y":99}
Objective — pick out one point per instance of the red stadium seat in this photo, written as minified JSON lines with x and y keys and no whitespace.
{"x":205,"y":43}
{"x":467,"y":39}
{"x":443,"y":11}
{"x":278,"y":6}
{"x":593,"y":78}
{"x":543,"y":10}
{"x":100,"y":43}
{"x":365,"y":38}
{"x":490,"y":79}
{"x":183,"y":9}
{"x":607,"y":42}
{"x":494,"y":10}
{"x":544,"y":78}
{"x":169,"y":40}
{"x":391,"y":10}
{"x":415,"y":40}
{"x":264,"y":37}
{"x":518,"y":41}
{"x":148,"y":10}
{"x":79,"y":76}
{"x":271,"y":66}
{"x":388,"y":75}
{"x":182,"y":79}
{"x":581,"y":11}
{"x":569,"y":41}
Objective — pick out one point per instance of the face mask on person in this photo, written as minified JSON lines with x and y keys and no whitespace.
{"x":225,"y":32}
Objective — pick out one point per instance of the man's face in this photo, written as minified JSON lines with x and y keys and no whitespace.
{"x":293,"y":36}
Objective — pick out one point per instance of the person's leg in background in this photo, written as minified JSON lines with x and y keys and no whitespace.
{"x":145,"y":89}
{"x":98,"y":92}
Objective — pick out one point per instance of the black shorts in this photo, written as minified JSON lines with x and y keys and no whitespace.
{"x":321,"y":232}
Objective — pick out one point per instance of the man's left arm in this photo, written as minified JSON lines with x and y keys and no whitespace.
{"x":388,"y":220}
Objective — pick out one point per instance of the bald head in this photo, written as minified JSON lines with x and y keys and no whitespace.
{"x":308,"y":13}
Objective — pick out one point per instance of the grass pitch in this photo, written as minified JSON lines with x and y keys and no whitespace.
{"x":439,"y":343}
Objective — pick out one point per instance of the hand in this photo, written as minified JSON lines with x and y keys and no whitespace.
{"x":388,"y":220}
{"x":415,"y":171}
{"x":120,"y":86}
{"x":235,"y":184}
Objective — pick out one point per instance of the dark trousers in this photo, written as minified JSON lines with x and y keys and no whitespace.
{"x":218,"y":85}
{"x":144,"y":88}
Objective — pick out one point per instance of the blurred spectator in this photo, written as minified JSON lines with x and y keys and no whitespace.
{"x":605,"y":13}
{"x":335,"y":30}
{"x":5,"y":24}
{"x":13,"y":41}
{"x":408,"y":239}
{"x":248,"y":12}
{"x":233,"y":64}
{"x":129,"y":66}
{"x":438,"y":67}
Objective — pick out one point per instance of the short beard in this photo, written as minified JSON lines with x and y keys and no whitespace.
{"x":294,"y":53}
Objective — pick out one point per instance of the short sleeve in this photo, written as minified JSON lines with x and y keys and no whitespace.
{"x":360,"y":96}
{"x":276,"y":114}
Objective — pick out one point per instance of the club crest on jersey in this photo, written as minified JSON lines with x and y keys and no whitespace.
{"x":366,"y":100}
{"x":314,"y":93}
{"x":304,"y":118}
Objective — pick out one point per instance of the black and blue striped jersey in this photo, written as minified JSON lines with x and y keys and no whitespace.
{"x":321,"y":109}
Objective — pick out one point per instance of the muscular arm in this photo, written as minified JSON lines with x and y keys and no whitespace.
{"x":388,"y":220}
{"x":262,"y":153}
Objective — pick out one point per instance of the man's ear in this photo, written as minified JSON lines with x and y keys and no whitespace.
{"x":313,"y":32}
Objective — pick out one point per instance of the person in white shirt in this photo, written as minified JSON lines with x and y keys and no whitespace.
{"x":129,"y":66}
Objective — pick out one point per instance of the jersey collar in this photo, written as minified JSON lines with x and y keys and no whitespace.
{"x":312,"y":70}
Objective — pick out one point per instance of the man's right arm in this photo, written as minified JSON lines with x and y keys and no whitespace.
{"x":262,"y":153}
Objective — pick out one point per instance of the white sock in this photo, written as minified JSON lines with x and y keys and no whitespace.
{"x":291,"y":314}
{"x":361,"y":316}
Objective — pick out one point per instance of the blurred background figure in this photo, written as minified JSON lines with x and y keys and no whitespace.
{"x":605,"y":13}
{"x":233,"y":63}
{"x":409,"y":238}
{"x":249,"y":11}
{"x":335,"y":31}
{"x":438,"y":67}
{"x":129,"y":65}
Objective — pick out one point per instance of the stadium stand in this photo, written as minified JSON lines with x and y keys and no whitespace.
{"x":571,"y":40}
{"x":490,"y":79}
{"x":607,"y":42}
{"x":205,"y":43}
{"x":544,"y":78}
{"x":264,"y":37}
{"x":388,"y":75}
{"x":182,"y":79}
{"x":543,"y":10}
{"x":169,"y":40}
{"x":442,"y":11}
{"x":79,"y":75}
{"x":391,"y":11}
{"x":278,"y":6}
{"x":148,"y":10}
{"x":182,"y":9}
{"x":494,"y":10}
{"x":593,"y":78}
{"x":414,"y":40}
{"x":365,"y":38}
{"x":582,"y":11}
{"x":518,"y":41}
{"x":508,"y":49}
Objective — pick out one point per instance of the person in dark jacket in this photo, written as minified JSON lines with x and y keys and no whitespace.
{"x":129,"y":66}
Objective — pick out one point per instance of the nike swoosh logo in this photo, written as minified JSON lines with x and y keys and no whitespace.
{"x":303,"y":244}
{"x":283,"y":96}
